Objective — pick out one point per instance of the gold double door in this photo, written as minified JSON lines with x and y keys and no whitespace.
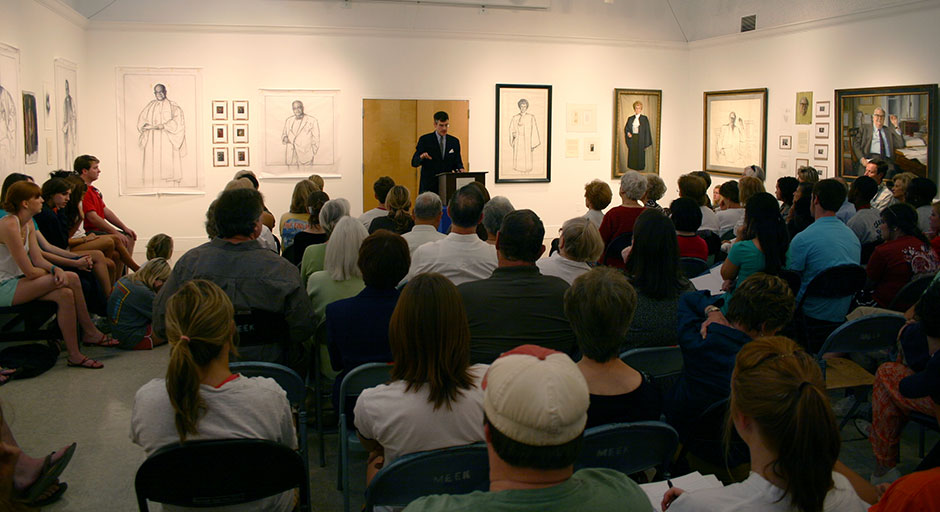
{"x":390,"y":131}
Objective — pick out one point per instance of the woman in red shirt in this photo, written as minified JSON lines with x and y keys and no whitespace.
{"x":619,"y":220}
{"x":905,"y":253}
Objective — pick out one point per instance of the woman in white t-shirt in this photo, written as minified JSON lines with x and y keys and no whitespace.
{"x":434,"y":399}
{"x":201,"y":398}
{"x":780,"y":408}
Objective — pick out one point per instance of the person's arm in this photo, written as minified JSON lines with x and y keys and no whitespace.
{"x":459,"y":158}
{"x":421,"y":154}
{"x":10,"y":236}
{"x":176,"y":279}
{"x":866,"y":491}
{"x":730,"y":268}
{"x":858,"y":146}
{"x":115,"y":220}
{"x":690,"y":313}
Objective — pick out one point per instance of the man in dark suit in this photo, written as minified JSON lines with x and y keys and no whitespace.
{"x":877,"y":139}
{"x":637,"y":134}
{"x":435,"y":153}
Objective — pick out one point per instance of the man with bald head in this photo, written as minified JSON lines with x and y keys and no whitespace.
{"x":877,"y":139}
{"x":301,"y":136}
{"x":162,"y":139}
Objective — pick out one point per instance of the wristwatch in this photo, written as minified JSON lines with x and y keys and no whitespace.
{"x":709,"y":309}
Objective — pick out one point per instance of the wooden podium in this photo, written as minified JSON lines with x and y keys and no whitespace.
{"x":449,"y":182}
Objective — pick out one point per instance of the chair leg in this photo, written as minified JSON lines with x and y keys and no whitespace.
{"x":849,"y":415}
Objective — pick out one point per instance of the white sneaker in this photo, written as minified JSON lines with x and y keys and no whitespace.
{"x":887,"y":478}
{"x":841,"y":408}
{"x":863,"y":427}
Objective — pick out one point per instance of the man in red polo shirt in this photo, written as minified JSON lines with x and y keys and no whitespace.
{"x":98,"y":217}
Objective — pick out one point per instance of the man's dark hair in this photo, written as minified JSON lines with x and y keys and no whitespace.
{"x":705,"y":176}
{"x":381,"y":187}
{"x":441,"y":116}
{"x":248,"y":175}
{"x":686,"y":214}
{"x":729,"y":190}
{"x":830,"y":193}
{"x":520,"y":236}
{"x":523,"y":455}
{"x":862,"y":191}
{"x":920,"y":192}
{"x":882,"y":166}
{"x":83,"y":163}
{"x":384,"y":259}
{"x":466,"y":207}
{"x":236,"y":212}
{"x":787,"y":186}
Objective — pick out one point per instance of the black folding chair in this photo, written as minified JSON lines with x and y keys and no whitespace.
{"x":662,"y":364}
{"x":836,"y":282}
{"x":693,"y":267}
{"x":31,"y":321}
{"x":629,"y":447}
{"x":615,"y":248}
{"x":911,"y":292}
{"x":265,"y":336}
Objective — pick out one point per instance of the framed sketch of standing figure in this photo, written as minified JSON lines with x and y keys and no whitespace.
{"x":735,"y":131}
{"x":11,"y":117}
{"x":523,"y":133}
{"x":66,"y":91}
{"x":637,"y":116}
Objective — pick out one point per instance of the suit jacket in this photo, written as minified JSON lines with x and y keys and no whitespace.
{"x":436,"y":165}
{"x":861,"y":144}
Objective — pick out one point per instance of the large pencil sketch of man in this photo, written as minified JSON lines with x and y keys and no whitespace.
{"x":69,"y":126}
{"x":523,"y":137}
{"x":301,"y":136}
{"x":162,"y":138}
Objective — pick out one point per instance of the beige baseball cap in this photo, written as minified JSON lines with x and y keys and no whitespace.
{"x":536,"y":396}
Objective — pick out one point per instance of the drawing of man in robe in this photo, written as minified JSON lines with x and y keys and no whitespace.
{"x":301,"y":136}
{"x":162,"y":138}
{"x":7,"y":130}
{"x":730,"y":141}
{"x":523,"y":137}
{"x":69,"y":127}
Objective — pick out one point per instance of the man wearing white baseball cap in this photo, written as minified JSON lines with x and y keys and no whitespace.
{"x":535,"y":402}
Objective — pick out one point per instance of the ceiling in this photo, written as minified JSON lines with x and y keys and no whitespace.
{"x":643,"y":20}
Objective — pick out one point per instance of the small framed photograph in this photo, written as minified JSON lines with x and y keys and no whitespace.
{"x":240,"y":110}
{"x":821,"y":152}
{"x":802,"y":162}
{"x":822,"y":109}
{"x":219,"y":110}
{"x":786,"y":142}
{"x":240,"y":133}
{"x":823,"y":170}
{"x":219,"y":157}
{"x":240,"y":156}
{"x":219,"y":133}
{"x":822,"y":130}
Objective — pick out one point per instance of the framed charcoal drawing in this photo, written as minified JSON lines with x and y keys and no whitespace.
{"x":637,"y":122}
{"x":735,"y":131}
{"x":523,"y":133}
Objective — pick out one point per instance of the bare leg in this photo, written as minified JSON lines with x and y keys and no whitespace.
{"x":27,"y":468}
{"x":101,"y":270}
{"x":44,"y":288}
{"x":89,"y":330}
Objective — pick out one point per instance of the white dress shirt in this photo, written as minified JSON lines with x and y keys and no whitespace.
{"x":559,"y":266}
{"x":421,"y":234}
{"x":710,"y":220}
{"x":460,"y":258}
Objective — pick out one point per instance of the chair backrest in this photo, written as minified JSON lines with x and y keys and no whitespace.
{"x":693,"y":267}
{"x":288,"y":379}
{"x":911,"y":292}
{"x":616,"y":247}
{"x":793,"y":280}
{"x":866,"y":334}
{"x":218,"y":473}
{"x":835,"y":282}
{"x":628,"y":447}
{"x":655,"y":361}
{"x":457,"y":470}
{"x":364,"y":377}
{"x":706,"y":438}
{"x":712,"y":240}
{"x":258,"y":327}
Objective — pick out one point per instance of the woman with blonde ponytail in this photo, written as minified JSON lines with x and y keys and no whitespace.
{"x":200,"y":398}
{"x":780,"y":409}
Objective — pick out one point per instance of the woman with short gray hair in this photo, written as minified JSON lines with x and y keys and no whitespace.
{"x":331,"y":213}
{"x":579,"y":243}
{"x":618,"y":221}
{"x":493,"y":213}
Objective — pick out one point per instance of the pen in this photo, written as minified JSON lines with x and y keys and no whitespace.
{"x":669,"y":482}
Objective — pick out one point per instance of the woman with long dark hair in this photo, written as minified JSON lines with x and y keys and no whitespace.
{"x":905,"y":253}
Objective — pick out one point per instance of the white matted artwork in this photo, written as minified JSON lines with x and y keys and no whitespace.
{"x":159,"y":130}
{"x":581,"y":118}
{"x":523,"y":133}
{"x":11,"y":117}
{"x":299,"y":128}
{"x":735,"y":130}
{"x":66,"y":112}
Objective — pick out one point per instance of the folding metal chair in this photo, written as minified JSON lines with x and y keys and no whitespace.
{"x":835,"y":282}
{"x":693,"y":267}
{"x":629,"y":447}
{"x":911,"y":292}
{"x":662,"y":364}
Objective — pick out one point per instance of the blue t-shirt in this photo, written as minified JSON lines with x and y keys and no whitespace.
{"x":826,"y":243}
{"x":749,"y":260}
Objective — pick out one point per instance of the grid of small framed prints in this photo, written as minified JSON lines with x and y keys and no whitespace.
{"x":226,"y":133}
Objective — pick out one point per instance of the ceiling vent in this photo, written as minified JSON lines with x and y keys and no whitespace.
{"x":748,"y":23}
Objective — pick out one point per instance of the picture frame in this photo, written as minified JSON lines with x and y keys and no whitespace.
{"x":804,"y":110}
{"x":219,"y":157}
{"x":523,"y":134}
{"x":642,"y":152}
{"x":239,"y":110}
{"x":240,"y":157}
{"x":220,"y":133}
{"x":823,"y":170}
{"x":914,"y":107}
{"x":219,"y":110}
{"x":786,"y":142}
{"x":802,"y":162}
{"x":822,"y":109}
{"x":240,"y":133}
{"x":822,"y":130}
{"x":821,"y":152}
{"x":734,"y":131}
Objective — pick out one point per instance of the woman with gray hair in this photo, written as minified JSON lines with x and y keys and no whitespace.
{"x":493,"y":213}
{"x":655,"y":190}
{"x":331,"y":213}
{"x":579,"y":244}
{"x":618,"y":221}
{"x":340,"y":277}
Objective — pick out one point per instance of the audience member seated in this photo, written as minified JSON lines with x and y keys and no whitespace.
{"x":461,"y":256}
{"x":619,"y":220}
{"x":687,"y":218}
{"x":761,"y":306}
{"x":826,"y":243}
{"x":254,"y":278}
{"x":200,"y":398}
{"x":357,"y":327}
{"x":579,"y":246}
{"x":920,"y":193}
{"x":866,"y":221}
{"x":600,"y":305}
{"x":801,"y":214}
{"x":99,"y":219}
{"x":729,"y":207}
{"x":934,"y":232}
{"x":398,"y":220}
{"x":762,"y":247}
{"x":314,"y":255}
{"x":340,"y":277}
{"x":535,"y":404}
{"x":493,"y":213}
{"x":297,"y":218}
{"x":434,"y":399}
{"x":780,"y":408}
{"x":847,"y":210}
{"x":695,"y":188}
{"x":899,"y":185}
{"x":130,"y":306}
{"x":267,"y":218}
{"x":428,"y":213}
{"x":876,"y":169}
{"x":807,"y":174}
{"x":916,"y":492}
{"x":905,"y":253}
{"x":707,"y":178}
{"x":266,"y":237}
{"x":655,"y":190}
{"x":597,"y":196}
{"x":786,"y":187}
{"x":160,"y":246}
{"x":517,"y":305}
{"x":27,"y":482}
{"x":317,"y":180}
{"x":311,"y":235}
{"x":380,"y":189}
{"x":748,"y":187}
{"x":910,"y":384}
{"x":26,"y":276}
{"x":755,"y":171}
{"x":652,"y":265}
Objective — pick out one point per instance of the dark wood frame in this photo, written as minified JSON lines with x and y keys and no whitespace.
{"x":618,"y":130}
{"x":547,"y":139}
{"x":707,"y":95}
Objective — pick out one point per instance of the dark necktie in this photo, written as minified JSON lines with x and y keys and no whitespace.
{"x":881,"y":138}
{"x":441,"y":141}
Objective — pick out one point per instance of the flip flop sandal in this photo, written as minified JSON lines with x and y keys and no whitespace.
{"x":104,"y":341}
{"x":48,"y":474}
{"x":52,"y":498}
{"x":6,"y":375}
{"x":82,"y":364}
